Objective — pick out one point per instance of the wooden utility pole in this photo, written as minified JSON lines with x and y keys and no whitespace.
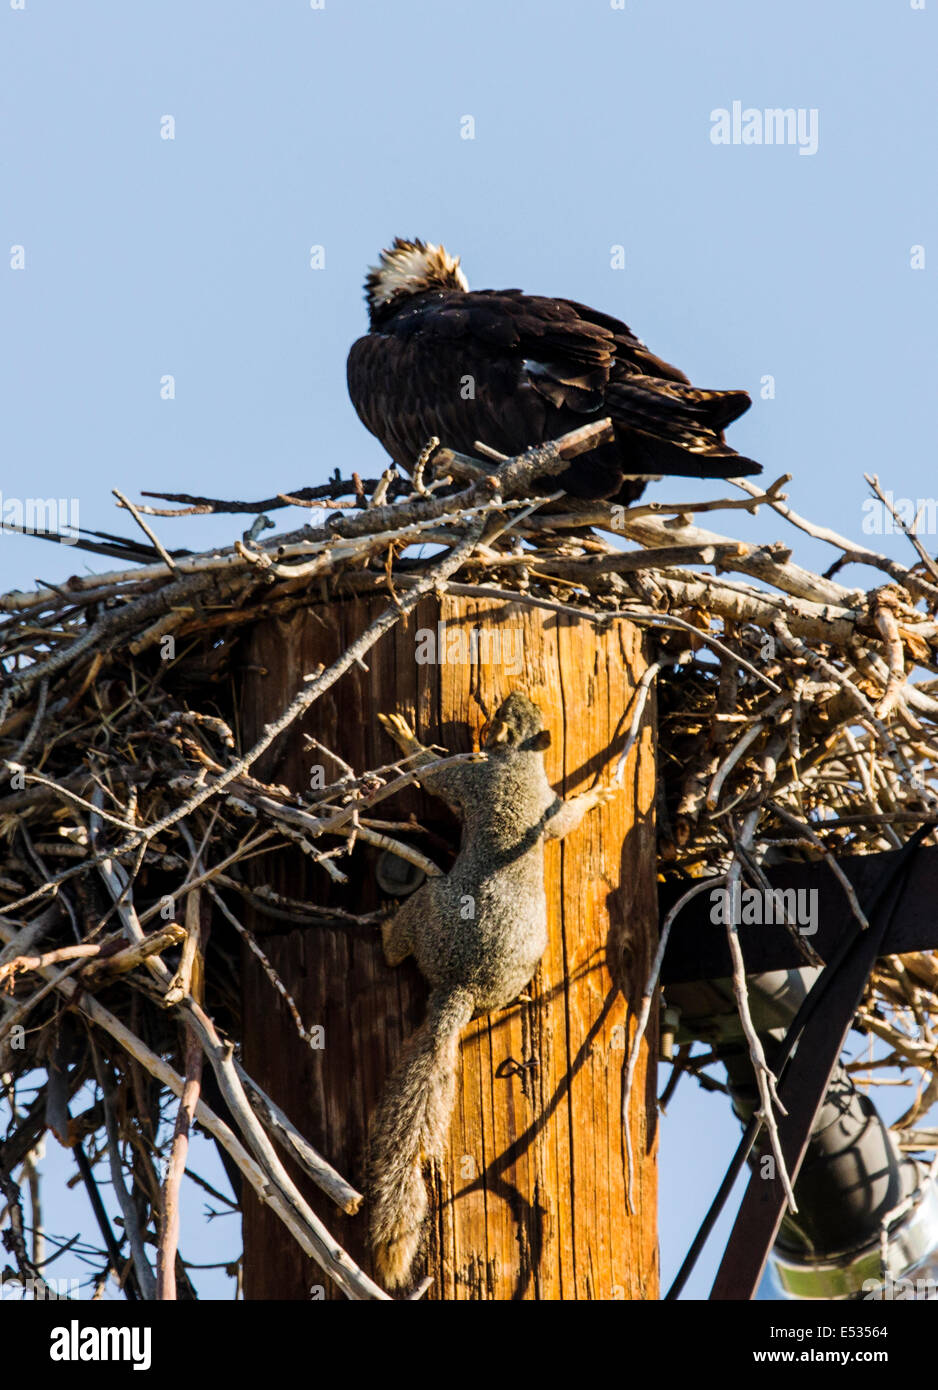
{"x":531,"y":1201}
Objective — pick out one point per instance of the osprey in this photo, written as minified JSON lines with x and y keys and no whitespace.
{"x":512,"y":370}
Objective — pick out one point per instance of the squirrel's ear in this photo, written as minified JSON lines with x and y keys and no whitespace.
{"x":541,"y":741}
{"x":496,"y":731}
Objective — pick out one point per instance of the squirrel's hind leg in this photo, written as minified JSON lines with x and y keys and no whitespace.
{"x":397,"y":932}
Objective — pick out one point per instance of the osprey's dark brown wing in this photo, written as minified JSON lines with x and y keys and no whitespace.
{"x":513,"y":370}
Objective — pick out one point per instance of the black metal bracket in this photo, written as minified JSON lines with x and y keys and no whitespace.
{"x":697,"y":950}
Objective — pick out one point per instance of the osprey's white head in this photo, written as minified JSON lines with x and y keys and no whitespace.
{"x":410,"y":267}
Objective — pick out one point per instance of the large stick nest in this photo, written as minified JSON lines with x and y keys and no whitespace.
{"x":796,"y":716}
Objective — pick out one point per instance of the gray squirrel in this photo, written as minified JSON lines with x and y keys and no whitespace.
{"x":477,"y":934}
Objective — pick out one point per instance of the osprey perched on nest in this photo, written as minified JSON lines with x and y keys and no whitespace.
{"x":512,"y":370}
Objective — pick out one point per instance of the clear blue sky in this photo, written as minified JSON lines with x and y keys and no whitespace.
{"x":340,"y":127}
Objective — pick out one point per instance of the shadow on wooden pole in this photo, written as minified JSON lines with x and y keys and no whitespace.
{"x":530,"y":1202}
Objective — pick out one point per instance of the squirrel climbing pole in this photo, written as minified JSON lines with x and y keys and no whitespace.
{"x":529,"y":1198}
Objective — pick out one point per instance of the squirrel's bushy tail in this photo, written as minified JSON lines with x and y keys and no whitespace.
{"x":409,"y":1128}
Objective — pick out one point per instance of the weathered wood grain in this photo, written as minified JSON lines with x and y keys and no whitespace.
{"x":531,"y":1200}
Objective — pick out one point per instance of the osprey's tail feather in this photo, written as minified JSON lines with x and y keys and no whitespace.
{"x":678,"y":427}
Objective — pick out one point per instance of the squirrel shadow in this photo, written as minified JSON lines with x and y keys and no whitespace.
{"x":629,"y":974}
{"x":529,"y":1218}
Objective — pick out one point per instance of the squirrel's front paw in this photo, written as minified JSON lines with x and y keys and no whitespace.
{"x":398,"y":728}
{"x":604,"y":794}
